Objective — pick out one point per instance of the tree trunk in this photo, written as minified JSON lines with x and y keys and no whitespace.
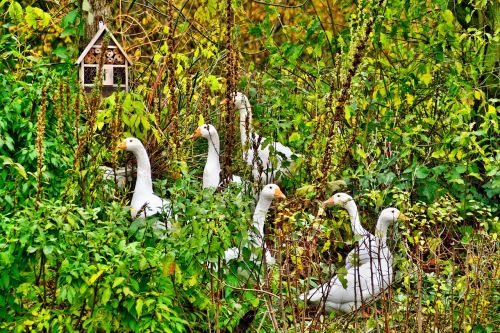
{"x":96,"y":10}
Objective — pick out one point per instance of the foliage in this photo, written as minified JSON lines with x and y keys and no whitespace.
{"x":392,"y":100}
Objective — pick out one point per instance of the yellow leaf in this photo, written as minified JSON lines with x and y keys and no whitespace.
{"x":201,"y":120}
{"x":491,"y":109}
{"x":477,"y":94}
{"x":396,"y":100}
{"x":409,"y":99}
{"x":426,"y":78}
{"x":94,"y":277}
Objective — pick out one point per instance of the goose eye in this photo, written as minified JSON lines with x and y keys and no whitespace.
{"x":392,"y":211}
{"x":130,"y":140}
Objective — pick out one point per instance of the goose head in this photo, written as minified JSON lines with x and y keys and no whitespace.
{"x":339,"y":199}
{"x":272,"y":191}
{"x":390,"y":215}
{"x":387,"y":217}
{"x":205,"y":130}
{"x":131,"y":144}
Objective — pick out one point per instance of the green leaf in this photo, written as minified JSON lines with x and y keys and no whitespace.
{"x":15,"y":11}
{"x":183,"y":26}
{"x":70,"y":18}
{"x":61,"y":52}
{"x":18,"y":167}
{"x":341,"y":273}
{"x":294,"y":137}
{"x":138,"y":307}
{"x":68,"y":32}
{"x":448,"y":16}
{"x":36,"y":18}
{"x":106,"y":295}
{"x":421,"y":172}
{"x":118,"y":281}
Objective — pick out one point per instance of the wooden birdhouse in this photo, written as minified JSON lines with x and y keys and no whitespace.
{"x":115,"y":66}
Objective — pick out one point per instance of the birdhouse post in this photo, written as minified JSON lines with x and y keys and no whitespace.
{"x":115,"y":74}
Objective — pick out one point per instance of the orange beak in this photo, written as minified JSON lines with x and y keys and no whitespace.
{"x":196,"y":134}
{"x":278,"y":194}
{"x":224,"y":102}
{"x":122,"y":146}
{"x":328,"y":202}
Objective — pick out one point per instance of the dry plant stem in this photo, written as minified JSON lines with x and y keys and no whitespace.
{"x":270,"y":311}
{"x":230,"y":89}
{"x":188,"y":94}
{"x":61,"y":105}
{"x":115,"y":134}
{"x":39,"y":143}
{"x":171,"y":73}
{"x":345,"y":95}
{"x":76,"y":133}
{"x":463,"y":318}
{"x":419,"y":290}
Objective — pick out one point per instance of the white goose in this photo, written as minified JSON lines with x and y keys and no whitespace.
{"x":361,"y":253}
{"x":249,"y":138}
{"x":256,"y":236}
{"x":144,"y":202}
{"x":364,"y":282}
{"x":211,"y":172}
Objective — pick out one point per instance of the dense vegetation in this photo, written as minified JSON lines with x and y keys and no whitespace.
{"x":395,"y":102}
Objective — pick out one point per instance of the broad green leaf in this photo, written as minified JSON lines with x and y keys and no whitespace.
{"x":448,"y":16}
{"x":294,"y":137}
{"x":18,"y":167}
{"x":15,"y":11}
{"x":118,"y":281}
{"x":138,"y":307}
{"x":106,"y":295}
{"x":421,"y":172}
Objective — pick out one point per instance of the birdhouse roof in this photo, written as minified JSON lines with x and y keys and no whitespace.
{"x":94,"y":41}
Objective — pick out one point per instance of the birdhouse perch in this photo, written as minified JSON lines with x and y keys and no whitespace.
{"x":115,"y":67}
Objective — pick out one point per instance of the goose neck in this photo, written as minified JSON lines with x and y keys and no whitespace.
{"x":245,"y":118}
{"x":213,"y":145}
{"x":211,"y":173}
{"x":259,"y":216}
{"x":354,"y":217}
{"x":381,"y":231}
{"x":143,"y":182}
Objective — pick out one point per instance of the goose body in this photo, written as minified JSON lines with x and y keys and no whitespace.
{"x":252,"y":142}
{"x":211,"y":172}
{"x":120,"y":175}
{"x":364,"y":282}
{"x":144,"y":202}
{"x":256,"y":236}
